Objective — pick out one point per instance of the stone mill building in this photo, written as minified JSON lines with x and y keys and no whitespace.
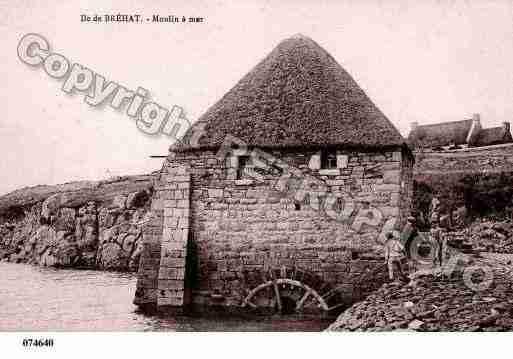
{"x":277,"y":199}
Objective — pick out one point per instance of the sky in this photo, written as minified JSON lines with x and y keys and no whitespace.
{"x":422,"y":61}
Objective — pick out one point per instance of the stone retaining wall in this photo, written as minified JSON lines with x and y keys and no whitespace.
{"x":447,"y":173}
{"x":489,"y":159}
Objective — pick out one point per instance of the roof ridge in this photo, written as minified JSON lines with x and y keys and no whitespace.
{"x":491,"y":128}
{"x":299,"y":36}
{"x":298,"y":95}
{"x":444,"y":123}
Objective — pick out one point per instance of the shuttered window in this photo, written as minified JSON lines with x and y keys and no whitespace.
{"x":328,"y":159}
{"x":243,"y":163}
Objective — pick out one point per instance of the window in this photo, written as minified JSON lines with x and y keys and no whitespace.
{"x":242,"y":165}
{"x":339,"y":205}
{"x":328,"y":159}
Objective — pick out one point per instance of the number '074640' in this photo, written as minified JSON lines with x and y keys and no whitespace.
{"x":37,"y":342}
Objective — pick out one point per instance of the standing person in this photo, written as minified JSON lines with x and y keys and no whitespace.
{"x":394,"y":254}
{"x":444,"y":248}
{"x":437,"y":241}
{"x":434,"y":208}
{"x":407,"y":236}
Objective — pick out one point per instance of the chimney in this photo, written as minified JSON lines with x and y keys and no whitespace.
{"x":474,"y":129}
{"x":505,"y":127}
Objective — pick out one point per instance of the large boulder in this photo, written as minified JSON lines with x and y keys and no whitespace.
{"x":112,"y":256}
{"x":137,"y":199}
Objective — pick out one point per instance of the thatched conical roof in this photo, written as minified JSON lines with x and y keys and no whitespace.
{"x":298,"y":96}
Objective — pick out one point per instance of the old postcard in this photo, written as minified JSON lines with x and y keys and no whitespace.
{"x":255,"y":166}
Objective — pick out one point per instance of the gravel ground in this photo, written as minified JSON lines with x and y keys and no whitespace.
{"x":433,"y":302}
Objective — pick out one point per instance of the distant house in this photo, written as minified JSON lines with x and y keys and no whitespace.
{"x":458,"y":134}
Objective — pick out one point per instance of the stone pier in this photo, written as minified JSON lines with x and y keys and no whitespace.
{"x":163,"y":261}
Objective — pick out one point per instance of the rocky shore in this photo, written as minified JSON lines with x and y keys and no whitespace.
{"x":88,"y":224}
{"x":492,"y":236}
{"x":432,"y":302}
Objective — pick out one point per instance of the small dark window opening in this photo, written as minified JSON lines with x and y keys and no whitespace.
{"x":243,"y":163}
{"x":297,"y":206}
{"x":328,"y":159}
{"x":339,"y":205}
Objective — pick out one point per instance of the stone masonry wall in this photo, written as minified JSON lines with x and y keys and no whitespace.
{"x":161,"y":275}
{"x":406,"y":194}
{"x":489,"y":159}
{"x":243,"y":228}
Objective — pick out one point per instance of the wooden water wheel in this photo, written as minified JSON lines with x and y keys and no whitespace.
{"x":286,"y":296}
{"x":285,"y":291}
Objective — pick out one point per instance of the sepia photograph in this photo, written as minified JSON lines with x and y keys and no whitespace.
{"x":337,"y":168}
